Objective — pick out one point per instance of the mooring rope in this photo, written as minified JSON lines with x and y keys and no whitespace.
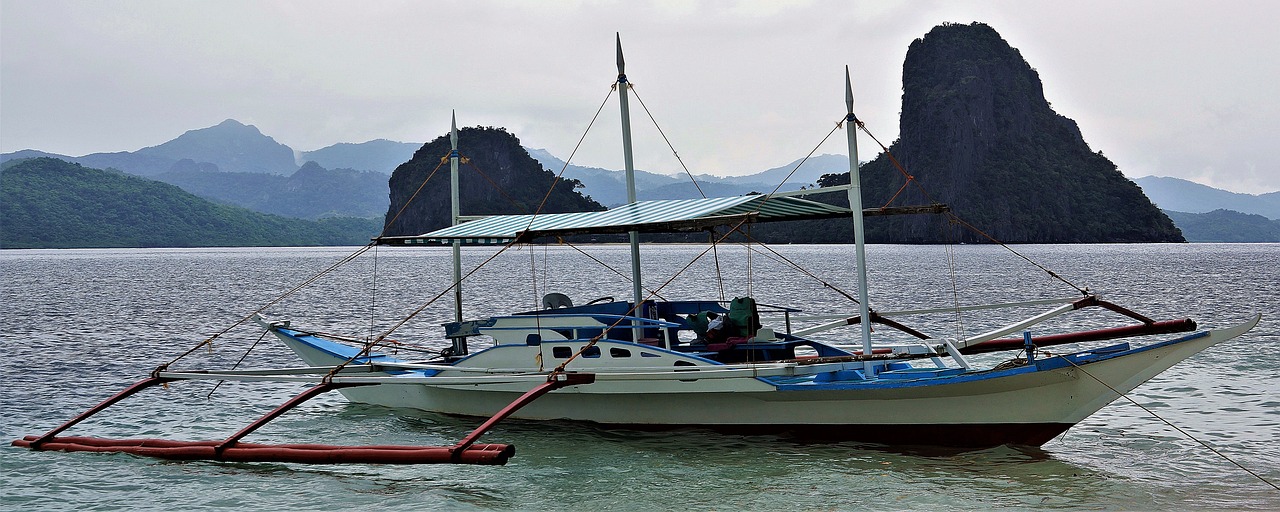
{"x":1171,"y":425}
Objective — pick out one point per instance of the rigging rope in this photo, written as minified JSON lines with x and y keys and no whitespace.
{"x":632,"y":88}
{"x":715,"y":256}
{"x":592,"y":342}
{"x":411,"y":198}
{"x":955,"y":289}
{"x":559,"y":175}
{"x":373,"y":294}
{"x":209,"y":341}
{"x":805,"y":271}
{"x":241,"y":360}
{"x":911,"y":179}
{"x":347,"y":259}
{"x":368,"y":346}
{"x":570,"y":159}
{"x":533,"y":272}
{"x":801,"y":162}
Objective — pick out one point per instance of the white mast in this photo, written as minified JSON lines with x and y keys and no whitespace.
{"x":631,"y":175}
{"x":859,"y":234}
{"x":453,"y":196}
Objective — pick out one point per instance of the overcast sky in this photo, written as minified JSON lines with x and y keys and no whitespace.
{"x":1184,"y":89}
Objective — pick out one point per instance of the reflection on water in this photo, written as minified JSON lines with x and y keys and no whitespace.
{"x":83,"y":324}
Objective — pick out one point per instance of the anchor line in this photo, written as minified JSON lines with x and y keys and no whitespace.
{"x":237,"y":365}
{"x":1171,"y":425}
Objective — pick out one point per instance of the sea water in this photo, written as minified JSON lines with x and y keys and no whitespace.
{"x":80,"y":325}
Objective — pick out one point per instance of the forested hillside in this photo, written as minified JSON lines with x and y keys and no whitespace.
{"x":50,"y":203}
{"x":499,"y":178}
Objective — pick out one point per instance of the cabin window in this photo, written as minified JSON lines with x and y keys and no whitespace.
{"x":592,"y":351}
{"x":805,"y":351}
{"x":561,"y":352}
{"x":619,"y":352}
{"x":649,"y":354}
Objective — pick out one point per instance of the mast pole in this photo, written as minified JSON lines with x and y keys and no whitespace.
{"x":455,"y":203}
{"x":631,"y":175}
{"x":859,"y":233}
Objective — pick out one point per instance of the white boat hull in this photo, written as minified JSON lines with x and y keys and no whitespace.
{"x":1027,"y":405}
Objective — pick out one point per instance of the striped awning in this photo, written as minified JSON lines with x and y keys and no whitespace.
{"x":662,"y":216}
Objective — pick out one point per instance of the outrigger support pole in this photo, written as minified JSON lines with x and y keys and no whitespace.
{"x":554,"y":381}
{"x":275,"y":413}
{"x":126,"y":393}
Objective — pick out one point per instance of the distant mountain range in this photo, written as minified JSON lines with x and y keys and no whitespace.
{"x":236,"y":164}
{"x":1226,"y":226}
{"x":609,"y":186}
{"x":1190,"y":197}
{"x":379,"y":155}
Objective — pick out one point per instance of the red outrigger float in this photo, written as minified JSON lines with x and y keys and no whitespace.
{"x":231,"y":449}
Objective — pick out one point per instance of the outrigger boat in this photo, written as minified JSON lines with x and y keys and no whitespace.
{"x":651,"y":363}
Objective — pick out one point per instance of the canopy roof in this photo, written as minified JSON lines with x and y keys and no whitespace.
{"x":660,"y":216}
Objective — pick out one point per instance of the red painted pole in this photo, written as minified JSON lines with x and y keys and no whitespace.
{"x":129,"y":391}
{"x":556,"y":381}
{"x":1166,"y":327}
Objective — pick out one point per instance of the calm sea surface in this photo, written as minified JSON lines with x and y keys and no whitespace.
{"x":80,"y":325}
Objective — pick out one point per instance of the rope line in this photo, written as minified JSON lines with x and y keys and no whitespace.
{"x":368,"y":346}
{"x":512,"y":200}
{"x":209,"y":341}
{"x":715,"y":256}
{"x":955,"y":218}
{"x":632,"y":88}
{"x":411,"y":198}
{"x":241,"y":360}
{"x":1171,"y":425}
{"x":592,"y":342}
{"x":800,"y":163}
{"x":805,"y":271}
{"x":565,"y":167}
{"x":347,"y":259}
{"x":606,"y":265}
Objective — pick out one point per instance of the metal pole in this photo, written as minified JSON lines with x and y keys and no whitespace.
{"x":455,"y":201}
{"x":859,"y":233}
{"x":631,"y":177}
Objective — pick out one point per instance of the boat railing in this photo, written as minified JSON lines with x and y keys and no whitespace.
{"x":639,"y":326}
